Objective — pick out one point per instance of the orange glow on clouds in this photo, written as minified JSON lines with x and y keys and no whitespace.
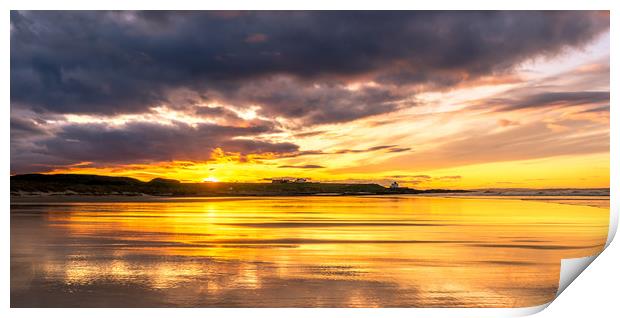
{"x":475,"y":135}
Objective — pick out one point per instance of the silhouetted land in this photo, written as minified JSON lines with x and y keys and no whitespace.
{"x":80,"y":184}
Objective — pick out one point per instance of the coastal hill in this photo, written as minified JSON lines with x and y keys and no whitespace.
{"x":81,"y":184}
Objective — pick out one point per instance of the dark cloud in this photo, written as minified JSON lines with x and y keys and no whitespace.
{"x":399,"y":149}
{"x":125,"y":62}
{"x":224,"y":115}
{"x":581,"y":86}
{"x":387,"y":148}
{"x":309,"y":134}
{"x":302,"y":166}
{"x":21,"y":127}
{"x":548,"y":99}
{"x":256,"y":38}
{"x":295,"y":66}
{"x":601,"y":109}
{"x":375,"y":148}
{"x":449,"y":178}
{"x":314,"y":103}
{"x":141,"y":142}
{"x":420,"y":176}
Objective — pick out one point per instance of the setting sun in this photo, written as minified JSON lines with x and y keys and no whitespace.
{"x":210,"y":179}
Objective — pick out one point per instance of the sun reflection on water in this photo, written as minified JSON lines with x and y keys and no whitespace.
{"x":311,"y":251}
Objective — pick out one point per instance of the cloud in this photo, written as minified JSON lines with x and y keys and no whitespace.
{"x":506,"y":122}
{"x":309,"y":134}
{"x":256,"y":38}
{"x":101,"y":62}
{"x":601,"y":109}
{"x":311,"y":104}
{"x":449,"y":178}
{"x":302,"y":166}
{"x":420,"y":176}
{"x":523,"y":142}
{"x":388,"y":148}
{"x":550,"y":99}
{"x":288,"y":70}
{"x":144,"y":142}
{"x":214,"y":111}
{"x":375,"y":148}
{"x":21,"y":127}
{"x":223,"y":115}
{"x":399,"y":149}
{"x":580,"y":86}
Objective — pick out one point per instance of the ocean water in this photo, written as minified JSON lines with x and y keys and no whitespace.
{"x":397,"y":251}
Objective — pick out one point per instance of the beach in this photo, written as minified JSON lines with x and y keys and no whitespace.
{"x":344,"y":251}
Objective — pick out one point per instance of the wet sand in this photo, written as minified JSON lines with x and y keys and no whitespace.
{"x":401,"y":251}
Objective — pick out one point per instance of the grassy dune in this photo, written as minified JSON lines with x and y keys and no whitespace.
{"x":103,"y":185}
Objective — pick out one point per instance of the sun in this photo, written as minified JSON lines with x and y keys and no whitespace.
{"x":210,"y":179}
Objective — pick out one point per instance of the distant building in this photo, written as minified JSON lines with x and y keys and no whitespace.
{"x":394,"y":185}
{"x":280,"y":181}
{"x":301,"y":180}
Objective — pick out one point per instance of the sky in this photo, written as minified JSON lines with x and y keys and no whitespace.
{"x":428,"y":99}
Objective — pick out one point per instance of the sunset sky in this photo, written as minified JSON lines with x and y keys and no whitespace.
{"x":428,"y":99}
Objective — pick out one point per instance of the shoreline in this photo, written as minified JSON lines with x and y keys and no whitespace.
{"x":597,"y":201}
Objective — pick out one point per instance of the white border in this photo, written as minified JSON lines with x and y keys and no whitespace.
{"x":313,"y":5}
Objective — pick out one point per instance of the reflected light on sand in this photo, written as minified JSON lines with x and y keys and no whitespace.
{"x":378,"y":251}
